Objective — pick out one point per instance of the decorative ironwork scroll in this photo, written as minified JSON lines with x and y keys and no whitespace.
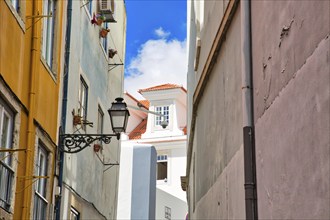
{"x":73,"y":143}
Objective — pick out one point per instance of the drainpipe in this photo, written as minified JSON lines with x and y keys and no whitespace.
{"x":251,"y":208}
{"x":64,"y":103}
{"x":30,"y":126}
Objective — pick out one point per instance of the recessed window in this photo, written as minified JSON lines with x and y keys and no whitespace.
{"x":48,"y":31}
{"x":83,"y":98}
{"x":162,"y":167}
{"x":164,"y":110}
{"x":89,"y":5}
{"x":167,"y":213}
{"x":100,"y":116}
{"x":104,"y":41}
{"x":100,"y":119}
{"x":74,"y":214}
{"x":16,"y":4}
{"x":40,"y":201}
{"x":6,"y":171}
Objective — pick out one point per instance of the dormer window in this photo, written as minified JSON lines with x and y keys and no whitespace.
{"x":164,"y":110}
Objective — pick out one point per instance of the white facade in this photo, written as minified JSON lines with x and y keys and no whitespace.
{"x":89,"y":188}
{"x":170,"y":144}
{"x":137,"y":182}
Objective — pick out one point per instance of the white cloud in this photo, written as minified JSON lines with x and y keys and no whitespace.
{"x":158,"y":62}
{"x":161,"y":33}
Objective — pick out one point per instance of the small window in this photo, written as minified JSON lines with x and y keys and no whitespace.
{"x":164,"y":110}
{"x":6,"y":171}
{"x":104,"y":41}
{"x":74,"y":214}
{"x":16,"y":4}
{"x":162,"y":167}
{"x":83,"y":95}
{"x":40,"y":201}
{"x":89,"y":5}
{"x":167,"y":213}
{"x":48,"y":31}
{"x":100,"y":117}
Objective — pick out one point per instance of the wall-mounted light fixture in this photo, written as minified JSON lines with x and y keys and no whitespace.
{"x":74,"y":143}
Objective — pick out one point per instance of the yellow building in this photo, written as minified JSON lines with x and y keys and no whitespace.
{"x":31,"y":59}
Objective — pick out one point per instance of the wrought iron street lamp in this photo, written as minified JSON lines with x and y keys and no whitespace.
{"x":74,"y":143}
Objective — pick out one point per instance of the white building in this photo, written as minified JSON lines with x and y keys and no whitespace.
{"x":170,"y":143}
{"x":90,"y":177}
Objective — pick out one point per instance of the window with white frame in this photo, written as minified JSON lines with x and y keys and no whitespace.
{"x":162,"y":167}
{"x":167,"y":213}
{"x":104,"y":41}
{"x":6,"y":171}
{"x":16,"y":5}
{"x":48,"y":31}
{"x":40,"y":200}
{"x":83,"y":99}
{"x":74,"y":214}
{"x":100,"y":116}
{"x":89,"y":5}
{"x":164,"y":110}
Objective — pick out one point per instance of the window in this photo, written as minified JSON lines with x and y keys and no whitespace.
{"x":100,"y":116}
{"x":167,"y":213}
{"x":83,"y":95}
{"x":164,"y":110}
{"x":48,"y":31}
{"x":6,"y":171}
{"x":89,"y":6}
{"x":74,"y":214}
{"x":104,"y":41}
{"x":15,"y":4}
{"x":40,"y":201}
{"x":162,"y":167}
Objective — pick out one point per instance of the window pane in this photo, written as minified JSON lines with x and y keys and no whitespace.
{"x":6,"y":173}
{"x":48,"y":31}
{"x":15,"y":4}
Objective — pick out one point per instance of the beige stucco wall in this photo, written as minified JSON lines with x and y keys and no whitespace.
{"x":292,"y":92}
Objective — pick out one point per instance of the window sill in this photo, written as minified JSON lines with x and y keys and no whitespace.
{"x":50,"y":72}
{"x":16,"y":15}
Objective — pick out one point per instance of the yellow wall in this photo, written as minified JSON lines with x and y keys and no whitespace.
{"x":42,"y":104}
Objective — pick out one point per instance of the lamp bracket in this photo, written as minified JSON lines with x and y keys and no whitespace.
{"x":74,"y":143}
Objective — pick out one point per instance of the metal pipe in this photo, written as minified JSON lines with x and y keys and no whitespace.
{"x":30,"y":126}
{"x":251,"y":207}
{"x":64,"y":104}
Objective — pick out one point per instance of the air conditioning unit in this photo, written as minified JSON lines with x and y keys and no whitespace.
{"x":106,"y":5}
{"x":107,"y":9}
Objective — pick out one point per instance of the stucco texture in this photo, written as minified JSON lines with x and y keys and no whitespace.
{"x":219,"y":186}
{"x":292,"y":109}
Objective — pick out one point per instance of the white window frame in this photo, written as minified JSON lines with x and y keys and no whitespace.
{"x":6,"y":169}
{"x":167,"y":213}
{"x":161,"y":158}
{"x":40,"y":198}
{"x":88,"y":4}
{"x":83,"y":99}
{"x":16,"y":5}
{"x":48,"y":32}
{"x":74,"y":214}
{"x":164,"y":110}
{"x":104,"y":41}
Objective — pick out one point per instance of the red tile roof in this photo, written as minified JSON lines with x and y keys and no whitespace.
{"x":145,"y":103}
{"x":162,"y":87}
{"x":139,"y":130}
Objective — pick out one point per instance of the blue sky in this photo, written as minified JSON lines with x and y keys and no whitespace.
{"x":155,"y":43}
